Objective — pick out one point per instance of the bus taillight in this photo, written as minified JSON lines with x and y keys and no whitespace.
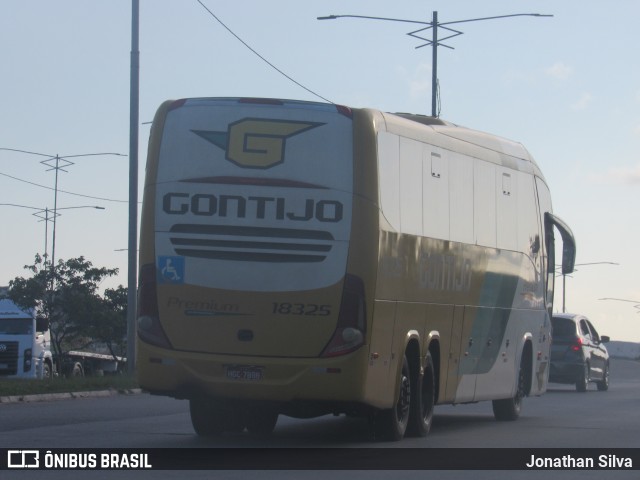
{"x":352,"y":320}
{"x":149,"y":328}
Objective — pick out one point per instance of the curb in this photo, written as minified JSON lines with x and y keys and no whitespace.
{"x":48,"y":397}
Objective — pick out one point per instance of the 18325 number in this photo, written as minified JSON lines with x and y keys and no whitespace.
{"x":311,"y":309}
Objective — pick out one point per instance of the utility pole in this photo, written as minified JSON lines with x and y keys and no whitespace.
{"x":434,"y":66}
{"x":57,"y":167}
{"x":57,"y":163}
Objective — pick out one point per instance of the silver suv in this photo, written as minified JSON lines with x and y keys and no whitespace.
{"x":578,"y":354}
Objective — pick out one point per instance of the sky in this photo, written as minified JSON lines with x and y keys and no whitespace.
{"x":567,"y":87}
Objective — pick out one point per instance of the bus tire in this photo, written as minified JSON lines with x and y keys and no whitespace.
{"x":422,"y":400}
{"x":392,"y":424}
{"x":261,"y":421}
{"x":508,"y":409}
{"x":210,"y":417}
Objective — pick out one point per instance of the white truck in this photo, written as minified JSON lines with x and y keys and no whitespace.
{"x":25,"y":349}
{"x":24,"y":343}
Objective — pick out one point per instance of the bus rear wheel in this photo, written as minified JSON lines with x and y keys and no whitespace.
{"x":423,"y":400}
{"x":212,"y":417}
{"x":392,"y":424}
{"x":509,"y":409}
{"x":261,"y":421}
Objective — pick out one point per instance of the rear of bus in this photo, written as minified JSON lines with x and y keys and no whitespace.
{"x":245,"y":293}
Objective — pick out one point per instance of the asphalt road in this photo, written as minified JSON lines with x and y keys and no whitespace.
{"x":561,"y":418}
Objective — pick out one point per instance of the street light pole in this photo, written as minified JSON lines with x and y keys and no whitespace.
{"x":637,"y":302}
{"x":37,"y":214}
{"x":53,"y":238}
{"x":434,"y":42}
{"x":133,"y":185}
{"x":564,"y":279}
{"x":47,"y":218}
{"x":564,"y":291}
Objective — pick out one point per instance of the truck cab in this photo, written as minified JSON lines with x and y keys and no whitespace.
{"x":24,"y":343}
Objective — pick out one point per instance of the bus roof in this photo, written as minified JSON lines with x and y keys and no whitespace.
{"x":465,"y":140}
{"x":431,"y":130}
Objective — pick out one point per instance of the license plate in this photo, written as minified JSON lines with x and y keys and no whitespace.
{"x":242,"y":372}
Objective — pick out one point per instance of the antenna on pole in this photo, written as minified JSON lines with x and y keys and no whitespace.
{"x":434,"y":41}
{"x":54,"y":164}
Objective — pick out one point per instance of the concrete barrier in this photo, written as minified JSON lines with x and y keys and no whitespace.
{"x":624,"y":350}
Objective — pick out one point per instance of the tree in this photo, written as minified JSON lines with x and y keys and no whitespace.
{"x":68,"y":295}
{"x":109,"y":324}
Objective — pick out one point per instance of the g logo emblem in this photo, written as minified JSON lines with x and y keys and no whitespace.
{"x":256,"y":142}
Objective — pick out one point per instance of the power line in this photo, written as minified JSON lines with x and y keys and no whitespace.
{"x":260,"y":56}
{"x":57,"y":167}
{"x":53,"y":157}
{"x":62,"y":191}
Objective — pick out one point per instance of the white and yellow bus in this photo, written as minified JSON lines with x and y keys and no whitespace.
{"x":302,"y":259}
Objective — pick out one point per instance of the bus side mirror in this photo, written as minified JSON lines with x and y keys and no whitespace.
{"x":568,"y":242}
{"x":42,"y":324}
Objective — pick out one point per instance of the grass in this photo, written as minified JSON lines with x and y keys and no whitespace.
{"x":20,"y":387}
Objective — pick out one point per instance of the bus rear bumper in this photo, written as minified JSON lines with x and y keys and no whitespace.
{"x":338,"y":380}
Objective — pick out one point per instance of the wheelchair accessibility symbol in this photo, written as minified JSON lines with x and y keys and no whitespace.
{"x":171,"y":270}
